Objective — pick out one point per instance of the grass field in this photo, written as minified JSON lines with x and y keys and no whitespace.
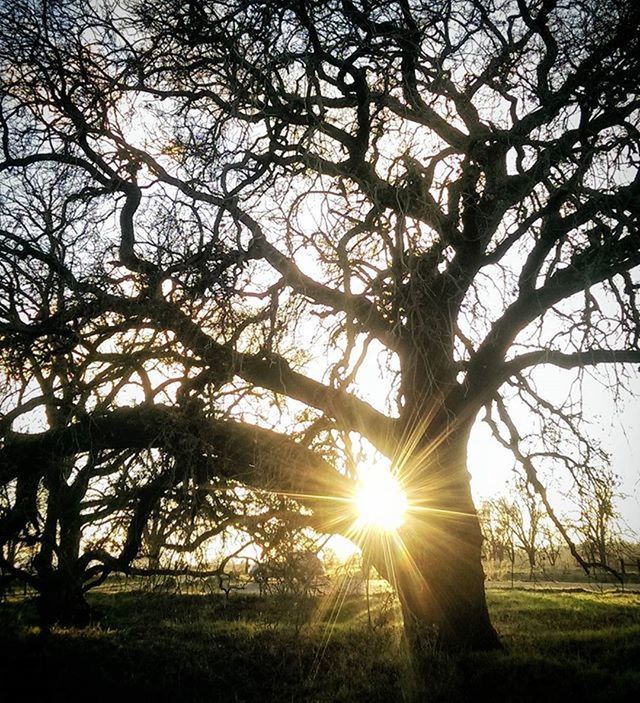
{"x":559,"y":646}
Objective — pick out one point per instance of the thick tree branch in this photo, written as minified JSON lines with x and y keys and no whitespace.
{"x":589,"y":357}
{"x":235,"y":451}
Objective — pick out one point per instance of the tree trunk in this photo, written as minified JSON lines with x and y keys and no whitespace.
{"x":61,"y":601}
{"x":61,"y":598}
{"x":438,"y":567}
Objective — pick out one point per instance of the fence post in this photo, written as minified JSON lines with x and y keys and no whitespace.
{"x":622,"y":572}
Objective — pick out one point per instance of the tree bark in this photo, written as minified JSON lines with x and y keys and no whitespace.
{"x":61,"y":601}
{"x":60,"y":580}
{"x":438,"y":570}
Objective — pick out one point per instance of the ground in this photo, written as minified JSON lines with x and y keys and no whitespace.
{"x":559,"y":645}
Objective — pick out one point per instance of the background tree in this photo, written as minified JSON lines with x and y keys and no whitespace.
{"x":598,"y":524}
{"x":495,"y":523}
{"x":450,"y":189}
{"x":551,"y":545}
{"x":518,"y":521}
{"x":525,"y":515}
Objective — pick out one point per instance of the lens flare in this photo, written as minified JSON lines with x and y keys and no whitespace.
{"x":380,"y":501}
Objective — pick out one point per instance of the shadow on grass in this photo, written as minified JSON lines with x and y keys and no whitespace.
{"x":203,"y":648}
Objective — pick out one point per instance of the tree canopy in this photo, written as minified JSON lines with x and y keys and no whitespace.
{"x":218,"y":217}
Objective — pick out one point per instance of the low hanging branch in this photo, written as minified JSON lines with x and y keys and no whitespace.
{"x":233,"y":450}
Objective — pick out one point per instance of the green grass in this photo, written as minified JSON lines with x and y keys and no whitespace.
{"x":562,"y":645}
{"x":160,"y":647}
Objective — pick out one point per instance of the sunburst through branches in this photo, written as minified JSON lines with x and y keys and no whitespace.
{"x":380,"y":501}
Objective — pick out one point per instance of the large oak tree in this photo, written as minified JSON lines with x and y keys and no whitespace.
{"x":221,"y":212}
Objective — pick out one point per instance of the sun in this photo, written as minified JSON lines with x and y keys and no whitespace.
{"x":380,"y":501}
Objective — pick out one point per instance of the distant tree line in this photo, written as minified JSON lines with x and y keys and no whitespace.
{"x":517,"y":530}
